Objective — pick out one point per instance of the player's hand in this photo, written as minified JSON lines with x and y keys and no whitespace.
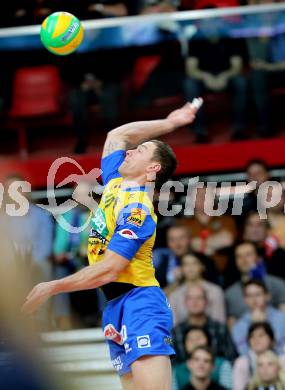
{"x":37,"y":297}
{"x":186,"y":114}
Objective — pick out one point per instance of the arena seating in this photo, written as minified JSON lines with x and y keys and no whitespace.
{"x":82,"y":357}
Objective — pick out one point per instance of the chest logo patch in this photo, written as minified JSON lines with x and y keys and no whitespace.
{"x":136,"y":217}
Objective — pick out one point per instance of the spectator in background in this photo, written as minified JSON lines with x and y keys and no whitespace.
{"x":42,"y":8}
{"x":157,"y":6}
{"x":93,"y":9}
{"x":276,"y":220}
{"x":260,"y":339}
{"x":88,"y":93}
{"x":215,"y":64}
{"x":18,"y":13}
{"x":250,"y":265}
{"x":196,"y":306}
{"x":192,"y":274}
{"x":32,"y":234}
{"x":70,"y":251}
{"x":201,"y":365}
{"x":257,"y":298}
{"x":167,"y":261}
{"x":195,"y":337}
{"x":256,"y":230}
{"x":269,"y":374}
{"x":96,"y":82}
{"x":256,"y":171}
{"x":210,"y":234}
{"x":267,"y":60}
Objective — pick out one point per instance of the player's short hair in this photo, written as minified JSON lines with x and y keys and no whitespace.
{"x":164,"y":154}
{"x":255,"y":282}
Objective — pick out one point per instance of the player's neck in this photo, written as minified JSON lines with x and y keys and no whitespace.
{"x":130,"y":182}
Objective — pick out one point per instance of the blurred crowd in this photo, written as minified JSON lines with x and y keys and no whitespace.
{"x":241,"y":79}
{"x":34,"y":11}
{"x":224,"y":278}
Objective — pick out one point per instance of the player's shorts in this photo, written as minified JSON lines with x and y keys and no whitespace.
{"x":136,"y":324}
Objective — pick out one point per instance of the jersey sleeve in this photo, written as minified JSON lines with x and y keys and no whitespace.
{"x":110,"y":165}
{"x":134,"y":226}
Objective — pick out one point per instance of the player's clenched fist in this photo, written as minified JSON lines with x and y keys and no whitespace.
{"x":186,"y":114}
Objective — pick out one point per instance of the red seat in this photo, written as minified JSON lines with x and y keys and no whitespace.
{"x":36,"y":96}
{"x":36,"y":92}
{"x":202,"y":4}
{"x":143,"y":68}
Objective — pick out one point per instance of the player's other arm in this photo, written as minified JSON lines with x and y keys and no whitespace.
{"x":89,"y":277}
{"x":134,"y":133}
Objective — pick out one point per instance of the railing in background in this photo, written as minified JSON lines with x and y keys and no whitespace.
{"x":149,"y":29}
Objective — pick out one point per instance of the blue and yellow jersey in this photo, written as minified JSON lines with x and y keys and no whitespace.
{"x":125,"y":223}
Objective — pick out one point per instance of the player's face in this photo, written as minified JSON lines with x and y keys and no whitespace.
{"x":201,"y":365}
{"x":139,"y":162}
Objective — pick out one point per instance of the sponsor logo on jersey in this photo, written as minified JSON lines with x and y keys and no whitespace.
{"x":143,"y":341}
{"x":137,"y":217}
{"x":94,"y":234}
{"x":127,"y":233}
{"x":111,"y":333}
{"x":117,"y":363}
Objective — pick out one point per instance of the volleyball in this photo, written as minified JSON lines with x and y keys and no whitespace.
{"x":61,"y":33}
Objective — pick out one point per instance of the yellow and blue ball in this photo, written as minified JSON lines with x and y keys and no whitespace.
{"x":61,"y":33}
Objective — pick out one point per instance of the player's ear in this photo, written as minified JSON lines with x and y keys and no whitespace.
{"x":152,"y":170}
{"x":153,"y":167}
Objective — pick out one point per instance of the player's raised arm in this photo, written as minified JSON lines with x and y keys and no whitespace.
{"x":134,"y":133}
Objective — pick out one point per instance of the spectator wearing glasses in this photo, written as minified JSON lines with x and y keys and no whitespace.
{"x":250,"y":265}
{"x":257,"y":299}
